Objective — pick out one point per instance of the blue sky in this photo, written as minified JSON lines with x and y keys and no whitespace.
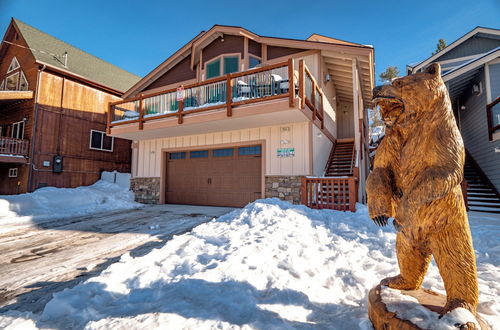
{"x":138,"y":35}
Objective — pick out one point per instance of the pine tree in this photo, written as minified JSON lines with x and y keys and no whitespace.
{"x":440,"y":46}
{"x":390,"y":73}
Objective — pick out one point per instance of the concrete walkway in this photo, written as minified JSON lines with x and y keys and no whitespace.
{"x":39,"y":260}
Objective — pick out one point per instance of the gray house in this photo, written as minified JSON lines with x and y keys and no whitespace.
{"x":471,"y":70}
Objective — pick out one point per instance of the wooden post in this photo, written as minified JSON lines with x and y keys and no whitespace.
{"x":352,"y":194}
{"x":180,"y":112}
{"x":108,"y":125}
{"x":322,"y":110}
{"x":303,"y":191}
{"x":313,"y":101}
{"x":291,"y":83}
{"x":229,"y":95}
{"x":141,"y":112}
{"x":302,"y":86}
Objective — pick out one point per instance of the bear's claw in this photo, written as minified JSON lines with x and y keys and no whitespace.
{"x":380,"y":220}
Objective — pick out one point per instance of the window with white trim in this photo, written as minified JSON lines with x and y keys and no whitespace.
{"x":13,"y":172}
{"x":18,"y":130}
{"x":2,"y":85}
{"x":23,"y":82}
{"x":14,"y":64}
{"x":100,"y":141}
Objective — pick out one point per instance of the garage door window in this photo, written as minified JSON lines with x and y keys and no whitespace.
{"x":198,"y":154}
{"x":177,"y":155}
{"x":223,"y":152}
{"x":245,"y":151}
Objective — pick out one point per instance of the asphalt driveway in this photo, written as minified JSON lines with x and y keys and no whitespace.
{"x":38,"y":260}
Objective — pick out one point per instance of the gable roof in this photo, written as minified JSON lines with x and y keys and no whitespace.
{"x":478,"y":30}
{"x":315,"y":41}
{"x":50,"y":51}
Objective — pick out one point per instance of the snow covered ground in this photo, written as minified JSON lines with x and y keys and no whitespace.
{"x":51,"y":203}
{"x":268,"y":265}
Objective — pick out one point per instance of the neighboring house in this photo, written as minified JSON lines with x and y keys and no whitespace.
{"x":53,"y":104}
{"x":471,"y":70}
{"x":256,"y":115}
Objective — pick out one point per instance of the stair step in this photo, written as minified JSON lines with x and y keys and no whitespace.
{"x":482,"y":204}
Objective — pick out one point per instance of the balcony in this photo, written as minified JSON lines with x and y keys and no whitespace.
{"x":13,"y":150}
{"x":223,"y":95}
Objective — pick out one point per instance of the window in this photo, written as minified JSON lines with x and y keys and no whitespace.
{"x":253,"y":62}
{"x":100,"y":141}
{"x":230,"y":64}
{"x":2,"y":85}
{"x":177,"y":155}
{"x":223,"y":152}
{"x":14,"y":64}
{"x":11,"y":82}
{"x":13,"y":172}
{"x":213,"y":69}
{"x":493,"y":113}
{"x":244,"y":151}
{"x":222,"y":65}
{"x":198,"y":154}
{"x":23,"y":83}
{"x":18,"y":130}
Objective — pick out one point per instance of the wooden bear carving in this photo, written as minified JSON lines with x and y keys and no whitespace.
{"x":416,"y":180}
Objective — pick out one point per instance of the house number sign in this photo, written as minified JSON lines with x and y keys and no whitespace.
{"x":286,"y":152}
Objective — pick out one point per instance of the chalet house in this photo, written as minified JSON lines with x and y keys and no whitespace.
{"x":471,"y":70}
{"x":53,"y":104}
{"x":233,"y":116}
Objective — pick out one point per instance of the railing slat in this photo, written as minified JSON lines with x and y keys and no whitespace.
{"x":329,"y":193}
{"x":12,"y":146}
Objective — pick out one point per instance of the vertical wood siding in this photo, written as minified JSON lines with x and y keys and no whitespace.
{"x":150,"y":151}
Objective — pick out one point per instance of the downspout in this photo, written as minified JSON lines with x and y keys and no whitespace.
{"x":33,"y":136}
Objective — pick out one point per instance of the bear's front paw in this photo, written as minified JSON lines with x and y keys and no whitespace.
{"x":398,"y":283}
{"x":380,"y":220}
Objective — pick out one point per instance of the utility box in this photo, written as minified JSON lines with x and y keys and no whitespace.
{"x":57,"y":164}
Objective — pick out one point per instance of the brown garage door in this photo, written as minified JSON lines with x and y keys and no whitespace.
{"x":218,"y":177}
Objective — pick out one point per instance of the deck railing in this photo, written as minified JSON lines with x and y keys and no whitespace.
{"x":311,"y":94}
{"x":255,"y":85}
{"x":335,"y":193}
{"x":15,"y":147}
{"x":493,"y":115}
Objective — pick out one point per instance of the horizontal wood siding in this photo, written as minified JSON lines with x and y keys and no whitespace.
{"x":474,"y":128}
{"x":178,"y":73}
{"x":231,"y":44}
{"x":254,"y":48}
{"x":275,"y":51}
{"x":495,"y":80}
{"x":473,"y":46}
{"x":149,"y":151}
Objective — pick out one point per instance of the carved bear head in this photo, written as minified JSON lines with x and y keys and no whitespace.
{"x":409,"y":96}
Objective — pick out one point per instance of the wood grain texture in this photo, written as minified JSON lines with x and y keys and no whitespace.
{"x":416,"y":179}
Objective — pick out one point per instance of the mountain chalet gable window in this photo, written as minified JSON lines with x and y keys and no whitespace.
{"x":222,"y":65}
{"x":100,"y":141}
{"x":18,"y":130}
{"x":14,"y":64}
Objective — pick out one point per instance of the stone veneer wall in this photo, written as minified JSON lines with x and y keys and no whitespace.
{"x":146,"y":190}
{"x":284,"y":187}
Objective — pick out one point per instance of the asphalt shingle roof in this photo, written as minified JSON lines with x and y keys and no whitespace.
{"x":78,"y":62}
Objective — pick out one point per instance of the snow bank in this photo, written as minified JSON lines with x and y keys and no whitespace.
{"x":268,"y":265}
{"x":52,"y":203}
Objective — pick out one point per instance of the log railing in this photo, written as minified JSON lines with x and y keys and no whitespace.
{"x":493,"y":115}
{"x":11,"y":146}
{"x":336,"y":193}
{"x":229,"y":91}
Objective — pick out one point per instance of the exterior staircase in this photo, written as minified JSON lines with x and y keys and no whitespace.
{"x":341,"y":161}
{"x":481,"y":195}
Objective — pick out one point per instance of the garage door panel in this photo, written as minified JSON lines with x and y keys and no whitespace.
{"x":228,"y":180}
